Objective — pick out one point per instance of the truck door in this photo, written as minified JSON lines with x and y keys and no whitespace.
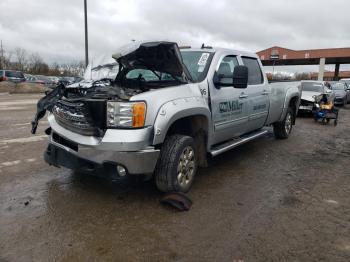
{"x":229,"y":104}
{"x":258,"y":94}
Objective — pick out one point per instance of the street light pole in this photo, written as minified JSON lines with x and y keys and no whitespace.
{"x":86,"y":35}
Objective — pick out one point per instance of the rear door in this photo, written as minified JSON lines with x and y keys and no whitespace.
{"x":229,"y":105}
{"x":258,"y":94}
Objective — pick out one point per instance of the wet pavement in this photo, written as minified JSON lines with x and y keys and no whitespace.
{"x":268,"y":200}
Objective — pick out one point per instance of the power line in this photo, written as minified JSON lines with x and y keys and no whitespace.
{"x":86,"y":35}
{"x":2,"y":57}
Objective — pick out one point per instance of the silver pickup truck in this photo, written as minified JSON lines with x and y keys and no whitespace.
{"x":166,"y":110}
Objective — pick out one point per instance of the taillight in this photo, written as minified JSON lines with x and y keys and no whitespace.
{"x":3,"y":78}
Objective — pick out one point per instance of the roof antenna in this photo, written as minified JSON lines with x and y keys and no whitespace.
{"x":203,"y":46}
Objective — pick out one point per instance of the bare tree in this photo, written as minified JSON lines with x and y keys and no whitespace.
{"x":21,"y":58}
{"x":37,"y":65}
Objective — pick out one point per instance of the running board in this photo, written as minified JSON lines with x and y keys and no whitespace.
{"x":217,"y":150}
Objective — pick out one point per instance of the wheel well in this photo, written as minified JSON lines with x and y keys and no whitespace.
{"x":293,"y":104}
{"x":197,"y":127}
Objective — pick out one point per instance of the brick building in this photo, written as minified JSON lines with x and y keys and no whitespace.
{"x":275,"y":56}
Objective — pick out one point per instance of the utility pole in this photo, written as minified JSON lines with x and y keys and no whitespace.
{"x":86,"y":35}
{"x":2,"y":58}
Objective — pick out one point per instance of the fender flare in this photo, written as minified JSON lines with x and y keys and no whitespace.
{"x":178,"y":109}
{"x":290,"y":94}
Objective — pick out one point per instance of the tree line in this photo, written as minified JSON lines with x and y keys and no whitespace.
{"x":20,"y":59}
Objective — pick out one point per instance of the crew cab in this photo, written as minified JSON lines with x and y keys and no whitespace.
{"x":165,"y":112}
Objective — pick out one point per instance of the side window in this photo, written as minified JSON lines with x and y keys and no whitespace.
{"x":255,"y":75}
{"x":226,"y":68}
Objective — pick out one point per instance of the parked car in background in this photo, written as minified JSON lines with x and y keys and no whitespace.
{"x":54,"y":80}
{"x":346,"y":81}
{"x":32,"y":79}
{"x":12,"y":76}
{"x":310,"y":89}
{"x":43,"y":78}
{"x":341,"y":92}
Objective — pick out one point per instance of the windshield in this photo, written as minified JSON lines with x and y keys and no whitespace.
{"x":148,"y":75}
{"x":197,"y":63}
{"x":346,"y":81}
{"x":338,"y":86}
{"x":312,"y":86}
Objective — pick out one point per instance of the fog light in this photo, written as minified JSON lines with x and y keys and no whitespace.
{"x":121,"y":171}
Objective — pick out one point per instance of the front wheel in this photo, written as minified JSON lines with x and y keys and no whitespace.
{"x":283,"y":128}
{"x":177,"y":164}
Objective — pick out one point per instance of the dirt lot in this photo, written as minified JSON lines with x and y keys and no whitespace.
{"x":267,"y":200}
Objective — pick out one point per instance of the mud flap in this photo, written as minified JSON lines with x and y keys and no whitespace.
{"x":46,"y":103}
{"x":177,"y":200}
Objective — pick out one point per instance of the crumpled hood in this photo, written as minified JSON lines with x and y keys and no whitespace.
{"x":308,"y":95}
{"x":158,"y":56}
{"x":90,"y":83}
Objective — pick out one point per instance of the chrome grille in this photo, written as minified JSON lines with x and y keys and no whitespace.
{"x":74,"y":117}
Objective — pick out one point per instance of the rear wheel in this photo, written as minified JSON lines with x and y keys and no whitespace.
{"x":283,"y":128}
{"x":177,"y":164}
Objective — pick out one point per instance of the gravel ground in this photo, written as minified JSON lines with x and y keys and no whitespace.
{"x":268,"y":200}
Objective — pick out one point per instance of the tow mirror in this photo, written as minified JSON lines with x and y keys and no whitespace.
{"x":240,"y":77}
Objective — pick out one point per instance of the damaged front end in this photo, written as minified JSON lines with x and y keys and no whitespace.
{"x":91,"y":121}
{"x":139,"y":67}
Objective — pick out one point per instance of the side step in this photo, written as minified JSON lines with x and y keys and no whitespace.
{"x":217,"y":150}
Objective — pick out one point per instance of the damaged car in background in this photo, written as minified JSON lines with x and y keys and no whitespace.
{"x":310,"y":90}
{"x":164,"y":112}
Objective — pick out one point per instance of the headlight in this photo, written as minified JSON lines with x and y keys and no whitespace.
{"x":126,"y":114}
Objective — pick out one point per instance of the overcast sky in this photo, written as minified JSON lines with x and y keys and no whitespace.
{"x":55,"y":29}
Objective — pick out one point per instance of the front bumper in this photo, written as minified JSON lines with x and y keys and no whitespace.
{"x":101,"y":161}
{"x":127,"y":148}
{"x":339,"y":100}
{"x":305,"y":108}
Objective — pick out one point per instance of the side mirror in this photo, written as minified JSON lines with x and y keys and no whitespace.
{"x":240,"y":77}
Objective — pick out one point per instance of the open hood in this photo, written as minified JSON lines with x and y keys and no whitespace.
{"x":158,"y":56}
{"x":309,"y":95}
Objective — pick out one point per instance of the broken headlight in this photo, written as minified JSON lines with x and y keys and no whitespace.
{"x":126,"y":114}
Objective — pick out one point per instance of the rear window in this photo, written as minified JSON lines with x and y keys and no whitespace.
{"x":14,"y":74}
{"x":255,"y":76}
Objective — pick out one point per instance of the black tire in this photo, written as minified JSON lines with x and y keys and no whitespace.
{"x":166,"y":172}
{"x":279,"y":128}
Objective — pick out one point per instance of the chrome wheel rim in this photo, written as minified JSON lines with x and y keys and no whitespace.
{"x":288,"y":123}
{"x":186,"y":166}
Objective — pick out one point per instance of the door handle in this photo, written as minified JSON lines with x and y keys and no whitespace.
{"x":265,"y":92}
{"x":243,"y":96}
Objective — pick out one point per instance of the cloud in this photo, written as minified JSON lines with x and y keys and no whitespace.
{"x":55,"y":29}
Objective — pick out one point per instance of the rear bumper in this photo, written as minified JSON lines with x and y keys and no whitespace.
{"x":92,"y":160}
